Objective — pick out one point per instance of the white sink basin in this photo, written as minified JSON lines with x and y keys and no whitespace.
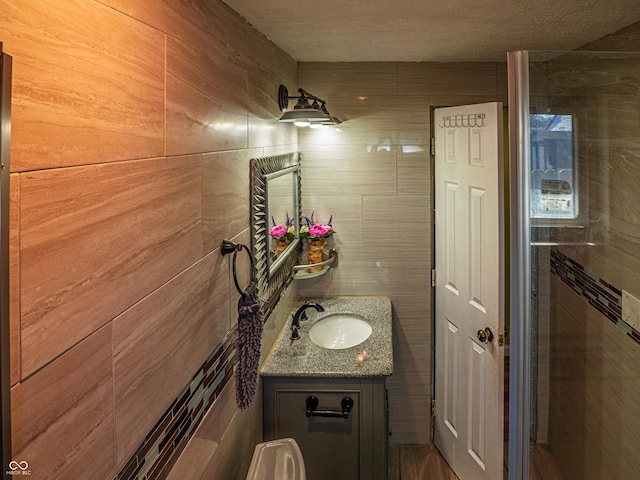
{"x":340,"y":331}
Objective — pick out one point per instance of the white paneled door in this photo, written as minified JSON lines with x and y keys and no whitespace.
{"x":469,"y":289}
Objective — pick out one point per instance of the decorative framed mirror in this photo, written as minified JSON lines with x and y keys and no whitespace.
{"x":275,"y":221}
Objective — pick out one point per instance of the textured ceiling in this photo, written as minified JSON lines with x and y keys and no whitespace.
{"x":431,"y":30}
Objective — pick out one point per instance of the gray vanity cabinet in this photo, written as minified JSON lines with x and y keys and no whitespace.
{"x":333,"y":447}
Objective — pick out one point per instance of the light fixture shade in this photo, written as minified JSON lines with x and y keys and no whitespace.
{"x":309,"y":114}
{"x":332,"y":121}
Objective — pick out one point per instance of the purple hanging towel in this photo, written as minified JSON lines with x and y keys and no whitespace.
{"x":247,"y":343}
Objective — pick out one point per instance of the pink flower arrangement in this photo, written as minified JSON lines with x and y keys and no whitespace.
{"x":319,"y":230}
{"x":278,"y":231}
{"x":282,"y":232}
{"x":316,"y":231}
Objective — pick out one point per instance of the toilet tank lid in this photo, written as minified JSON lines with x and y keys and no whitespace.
{"x":277,"y":460}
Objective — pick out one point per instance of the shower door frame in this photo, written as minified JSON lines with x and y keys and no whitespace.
{"x":5,"y":137}
{"x":520,"y":267}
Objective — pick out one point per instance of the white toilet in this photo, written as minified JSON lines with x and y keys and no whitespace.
{"x":277,"y":460}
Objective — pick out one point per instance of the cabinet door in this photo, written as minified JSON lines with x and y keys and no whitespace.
{"x":331,"y":446}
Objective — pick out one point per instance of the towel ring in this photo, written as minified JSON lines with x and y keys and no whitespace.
{"x":226,"y":247}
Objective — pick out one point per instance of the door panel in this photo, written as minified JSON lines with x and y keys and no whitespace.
{"x":469,"y":296}
{"x":476,"y":439}
{"x":450,"y":237}
{"x":476,"y":215}
{"x":451,"y":378}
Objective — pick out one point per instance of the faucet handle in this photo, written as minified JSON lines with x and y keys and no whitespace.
{"x":294,"y":334}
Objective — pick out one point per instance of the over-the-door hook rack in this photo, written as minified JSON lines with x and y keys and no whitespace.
{"x":474,"y":120}
{"x":227,"y":247}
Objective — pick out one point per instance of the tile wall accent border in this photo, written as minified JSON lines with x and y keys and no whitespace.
{"x":601,"y":295}
{"x":167,"y":439}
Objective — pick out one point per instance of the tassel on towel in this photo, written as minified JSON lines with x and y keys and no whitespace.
{"x":247,"y":343}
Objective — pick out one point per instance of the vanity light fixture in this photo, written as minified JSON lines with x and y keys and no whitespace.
{"x":308,"y":111}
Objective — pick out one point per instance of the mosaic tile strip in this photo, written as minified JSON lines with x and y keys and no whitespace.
{"x":600,"y":294}
{"x":167,"y":439}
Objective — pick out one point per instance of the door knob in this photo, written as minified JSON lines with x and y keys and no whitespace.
{"x":486,"y":335}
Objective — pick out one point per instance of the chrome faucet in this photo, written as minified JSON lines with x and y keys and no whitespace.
{"x":301,"y":315}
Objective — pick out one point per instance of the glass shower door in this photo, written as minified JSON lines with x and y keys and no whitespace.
{"x":575,"y":345}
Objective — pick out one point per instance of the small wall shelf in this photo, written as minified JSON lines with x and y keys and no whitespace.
{"x":303,"y":272}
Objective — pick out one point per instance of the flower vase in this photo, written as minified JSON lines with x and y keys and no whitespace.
{"x":281,"y":246}
{"x":316,"y":250}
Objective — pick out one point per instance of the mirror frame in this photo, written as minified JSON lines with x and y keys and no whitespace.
{"x":270,"y":281}
{"x":274,"y":264}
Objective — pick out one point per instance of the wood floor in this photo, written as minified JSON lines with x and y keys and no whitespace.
{"x":424,"y":462}
{"x":542,"y":465}
{"x":418,"y":462}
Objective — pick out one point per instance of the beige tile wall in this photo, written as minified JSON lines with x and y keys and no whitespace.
{"x":155,"y":356}
{"x":624,"y":40}
{"x":90,"y":74}
{"x":594,"y":430}
{"x":133,"y":126}
{"x":373,"y":174}
{"x":63,"y":418}
{"x":223,"y":450}
{"x":83,"y":259}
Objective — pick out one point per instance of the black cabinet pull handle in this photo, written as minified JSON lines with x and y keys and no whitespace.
{"x":312,"y":404}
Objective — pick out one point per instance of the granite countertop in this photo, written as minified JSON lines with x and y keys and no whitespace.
{"x":303,"y":358}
